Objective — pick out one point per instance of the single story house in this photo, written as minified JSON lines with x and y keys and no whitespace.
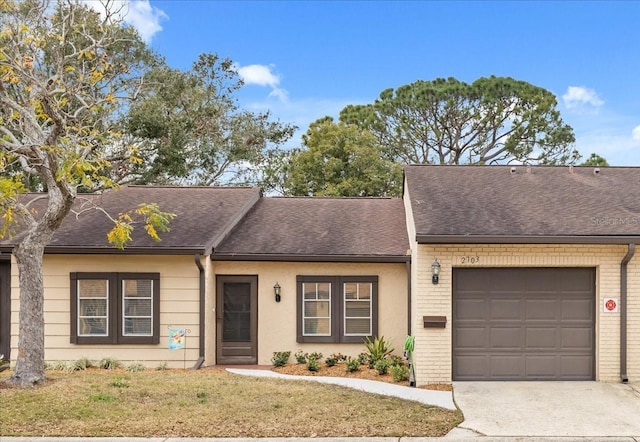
{"x":499,"y":272}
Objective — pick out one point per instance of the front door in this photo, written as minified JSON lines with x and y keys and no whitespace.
{"x":236,"y":319}
{"x":5,"y":308}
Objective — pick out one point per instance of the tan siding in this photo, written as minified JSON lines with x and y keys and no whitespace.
{"x":433,"y":346}
{"x":277,"y":321}
{"x":179,"y":307}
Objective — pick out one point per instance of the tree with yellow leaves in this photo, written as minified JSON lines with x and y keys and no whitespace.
{"x":64,"y":74}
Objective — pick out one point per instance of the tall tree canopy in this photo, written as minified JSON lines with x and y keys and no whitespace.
{"x":341,"y":160}
{"x":446,"y":121}
{"x":64,"y":73}
{"x":190,"y":129}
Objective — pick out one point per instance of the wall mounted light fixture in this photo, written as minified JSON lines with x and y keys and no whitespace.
{"x":276,"y":290}
{"x":435,"y":272}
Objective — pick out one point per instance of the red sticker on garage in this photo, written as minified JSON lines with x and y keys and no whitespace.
{"x":611,"y":305}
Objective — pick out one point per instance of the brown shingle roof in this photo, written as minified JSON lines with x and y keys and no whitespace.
{"x":203,"y":217}
{"x":506,"y":201}
{"x":281,"y":228}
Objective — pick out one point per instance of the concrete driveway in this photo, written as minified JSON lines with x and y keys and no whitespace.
{"x":574,"y":409}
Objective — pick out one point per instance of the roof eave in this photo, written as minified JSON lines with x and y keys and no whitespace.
{"x":526,"y":239}
{"x":310,"y":258}
{"x":67,"y":250}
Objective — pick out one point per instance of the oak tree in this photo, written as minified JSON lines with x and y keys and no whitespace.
{"x":65,"y":70}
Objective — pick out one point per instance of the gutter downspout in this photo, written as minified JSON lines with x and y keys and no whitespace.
{"x":623,"y":312}
{"x":200,"y":360}
{"x":409,"y":298}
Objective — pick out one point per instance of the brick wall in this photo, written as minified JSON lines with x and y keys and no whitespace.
{"x":433,"y":346}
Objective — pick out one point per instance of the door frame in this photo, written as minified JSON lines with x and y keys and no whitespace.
{"x":5,"y":308}
{"x":240,"y":360}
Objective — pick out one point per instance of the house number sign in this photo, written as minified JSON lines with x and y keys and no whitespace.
{"x":611,"y":305}
{"x":469,"y":259}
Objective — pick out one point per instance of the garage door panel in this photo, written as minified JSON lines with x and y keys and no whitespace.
{"x":541,"y":338}
{"x":505,"y":367}
{"x":576,"y":339}
{"x":540,"y":309}
{"x":576,"y":367}
{"x":471,"y":338}
{"x":505,"y":338}
{"x":524,"y":324}
{"x":541,"y":367}
{"x":471,"y":309}
{"x":504,"y":309}
{"x":577,"y":309}
{"x":471,"y":366}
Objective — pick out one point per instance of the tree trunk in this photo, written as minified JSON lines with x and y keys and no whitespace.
{"x":29,"y":253}
{"x":30,"y":361}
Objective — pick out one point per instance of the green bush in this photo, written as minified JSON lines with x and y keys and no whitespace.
{"x":331,"y":361}
{"x":301,"y":357}
{"x":136,"y":367}
{"x":280,"y":358}
{"x":400,"y":373}
{"x":109,"y":364}
{"x":162,"y":366}
{"x":81,"y":364}
{"x":312,"y":365}
{"x":376,"y":350}
{"x":352,"y":364}
{"x":382,"y":366}
{"x":315,"y":355}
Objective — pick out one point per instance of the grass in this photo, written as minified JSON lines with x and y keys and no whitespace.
{"x":207,"y":403}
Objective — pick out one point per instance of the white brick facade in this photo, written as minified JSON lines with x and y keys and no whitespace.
{"x":433,"y":345}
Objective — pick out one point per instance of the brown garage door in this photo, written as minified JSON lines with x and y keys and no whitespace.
{"x":523,"y":324}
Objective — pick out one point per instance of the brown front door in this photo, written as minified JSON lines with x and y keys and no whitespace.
{"x":236,"y":319}
{"x":5,"y":308}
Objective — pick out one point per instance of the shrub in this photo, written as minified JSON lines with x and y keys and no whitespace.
{"x":400,"y":373}
{"x":331,"y":360}
{"x":109,"y":363}
{"x":162,"y":366}
{"x":280,"y":358}
{"x":382,"y":365}
{"x":315,"y":355}
{"x":352,"y":364}
{"x":57,"y":366}
{"x":377,"y":349}
{"x":136,"y":367}
{"x":301,"y":357}
{"x":312,"y":365}
{"x":363,"y":358}
{"x":81,"y":364}
{"x":396,"y":360}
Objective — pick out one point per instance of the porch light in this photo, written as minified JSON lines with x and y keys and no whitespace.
{"x":276,"y":290}
{"x":435,"y":272}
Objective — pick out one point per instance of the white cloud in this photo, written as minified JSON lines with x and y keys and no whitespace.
{"x":635,"y":133}
{"x":262,"y":75}
{"x":578,"y":97}
{"x":137,"y":13}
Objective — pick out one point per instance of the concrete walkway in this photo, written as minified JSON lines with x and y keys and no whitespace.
{"x":442,"y":399}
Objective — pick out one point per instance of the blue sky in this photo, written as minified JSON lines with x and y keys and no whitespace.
{"x":305,"y":59}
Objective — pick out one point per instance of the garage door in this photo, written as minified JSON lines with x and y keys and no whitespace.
{"x":523,"y":324}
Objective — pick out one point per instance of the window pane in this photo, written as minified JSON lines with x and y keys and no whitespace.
{"x":137,"y":307}
{"x":92,"y":326}
{"x":309,"y":290}
{"x":137,"y":326}
{"x":351,"y":290}
{"x":357,"y":309}
{"x":92,"y":307}
{"x":92,"y":288}
{"x":358,"y":327}
{"x":364,"y":290}
{"x":324,"y":290}
{"x":316,"y":327}
{"x":316,"y":309}
{"x":137,"y":288}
